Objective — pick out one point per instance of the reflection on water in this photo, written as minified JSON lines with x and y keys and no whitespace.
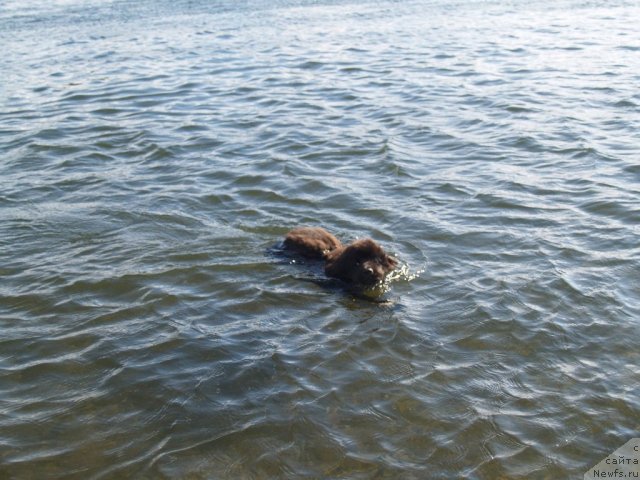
{"x":153,"y":152}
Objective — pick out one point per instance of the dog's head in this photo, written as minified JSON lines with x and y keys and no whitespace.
{"x":363,"y":262}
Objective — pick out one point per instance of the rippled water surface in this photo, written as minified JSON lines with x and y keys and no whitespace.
{"x":154,"y":153}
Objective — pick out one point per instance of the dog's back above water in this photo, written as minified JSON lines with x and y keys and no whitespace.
{"x":311,"y":242}
{"x":362,"y":262}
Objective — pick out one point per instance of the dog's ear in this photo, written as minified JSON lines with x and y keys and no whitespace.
{"x":391,"y":261}
{"x":344,"y":262}
{"x":334,"y":266}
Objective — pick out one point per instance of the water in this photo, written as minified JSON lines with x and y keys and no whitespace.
{"x":154,"y":152}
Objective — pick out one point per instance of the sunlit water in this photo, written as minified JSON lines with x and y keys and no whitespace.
{"x":154,"y":153}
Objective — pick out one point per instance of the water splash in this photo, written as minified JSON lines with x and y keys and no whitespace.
{"x":404,"y":273}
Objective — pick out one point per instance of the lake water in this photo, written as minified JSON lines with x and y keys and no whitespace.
{"x":153,"y":153}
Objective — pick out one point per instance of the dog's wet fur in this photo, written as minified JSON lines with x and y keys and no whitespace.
{"x":362,"y":262}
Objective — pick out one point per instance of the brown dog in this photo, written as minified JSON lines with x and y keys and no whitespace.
{"x":362,"y":262}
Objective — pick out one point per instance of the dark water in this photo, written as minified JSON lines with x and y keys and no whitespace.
{"x":153,"y":152}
